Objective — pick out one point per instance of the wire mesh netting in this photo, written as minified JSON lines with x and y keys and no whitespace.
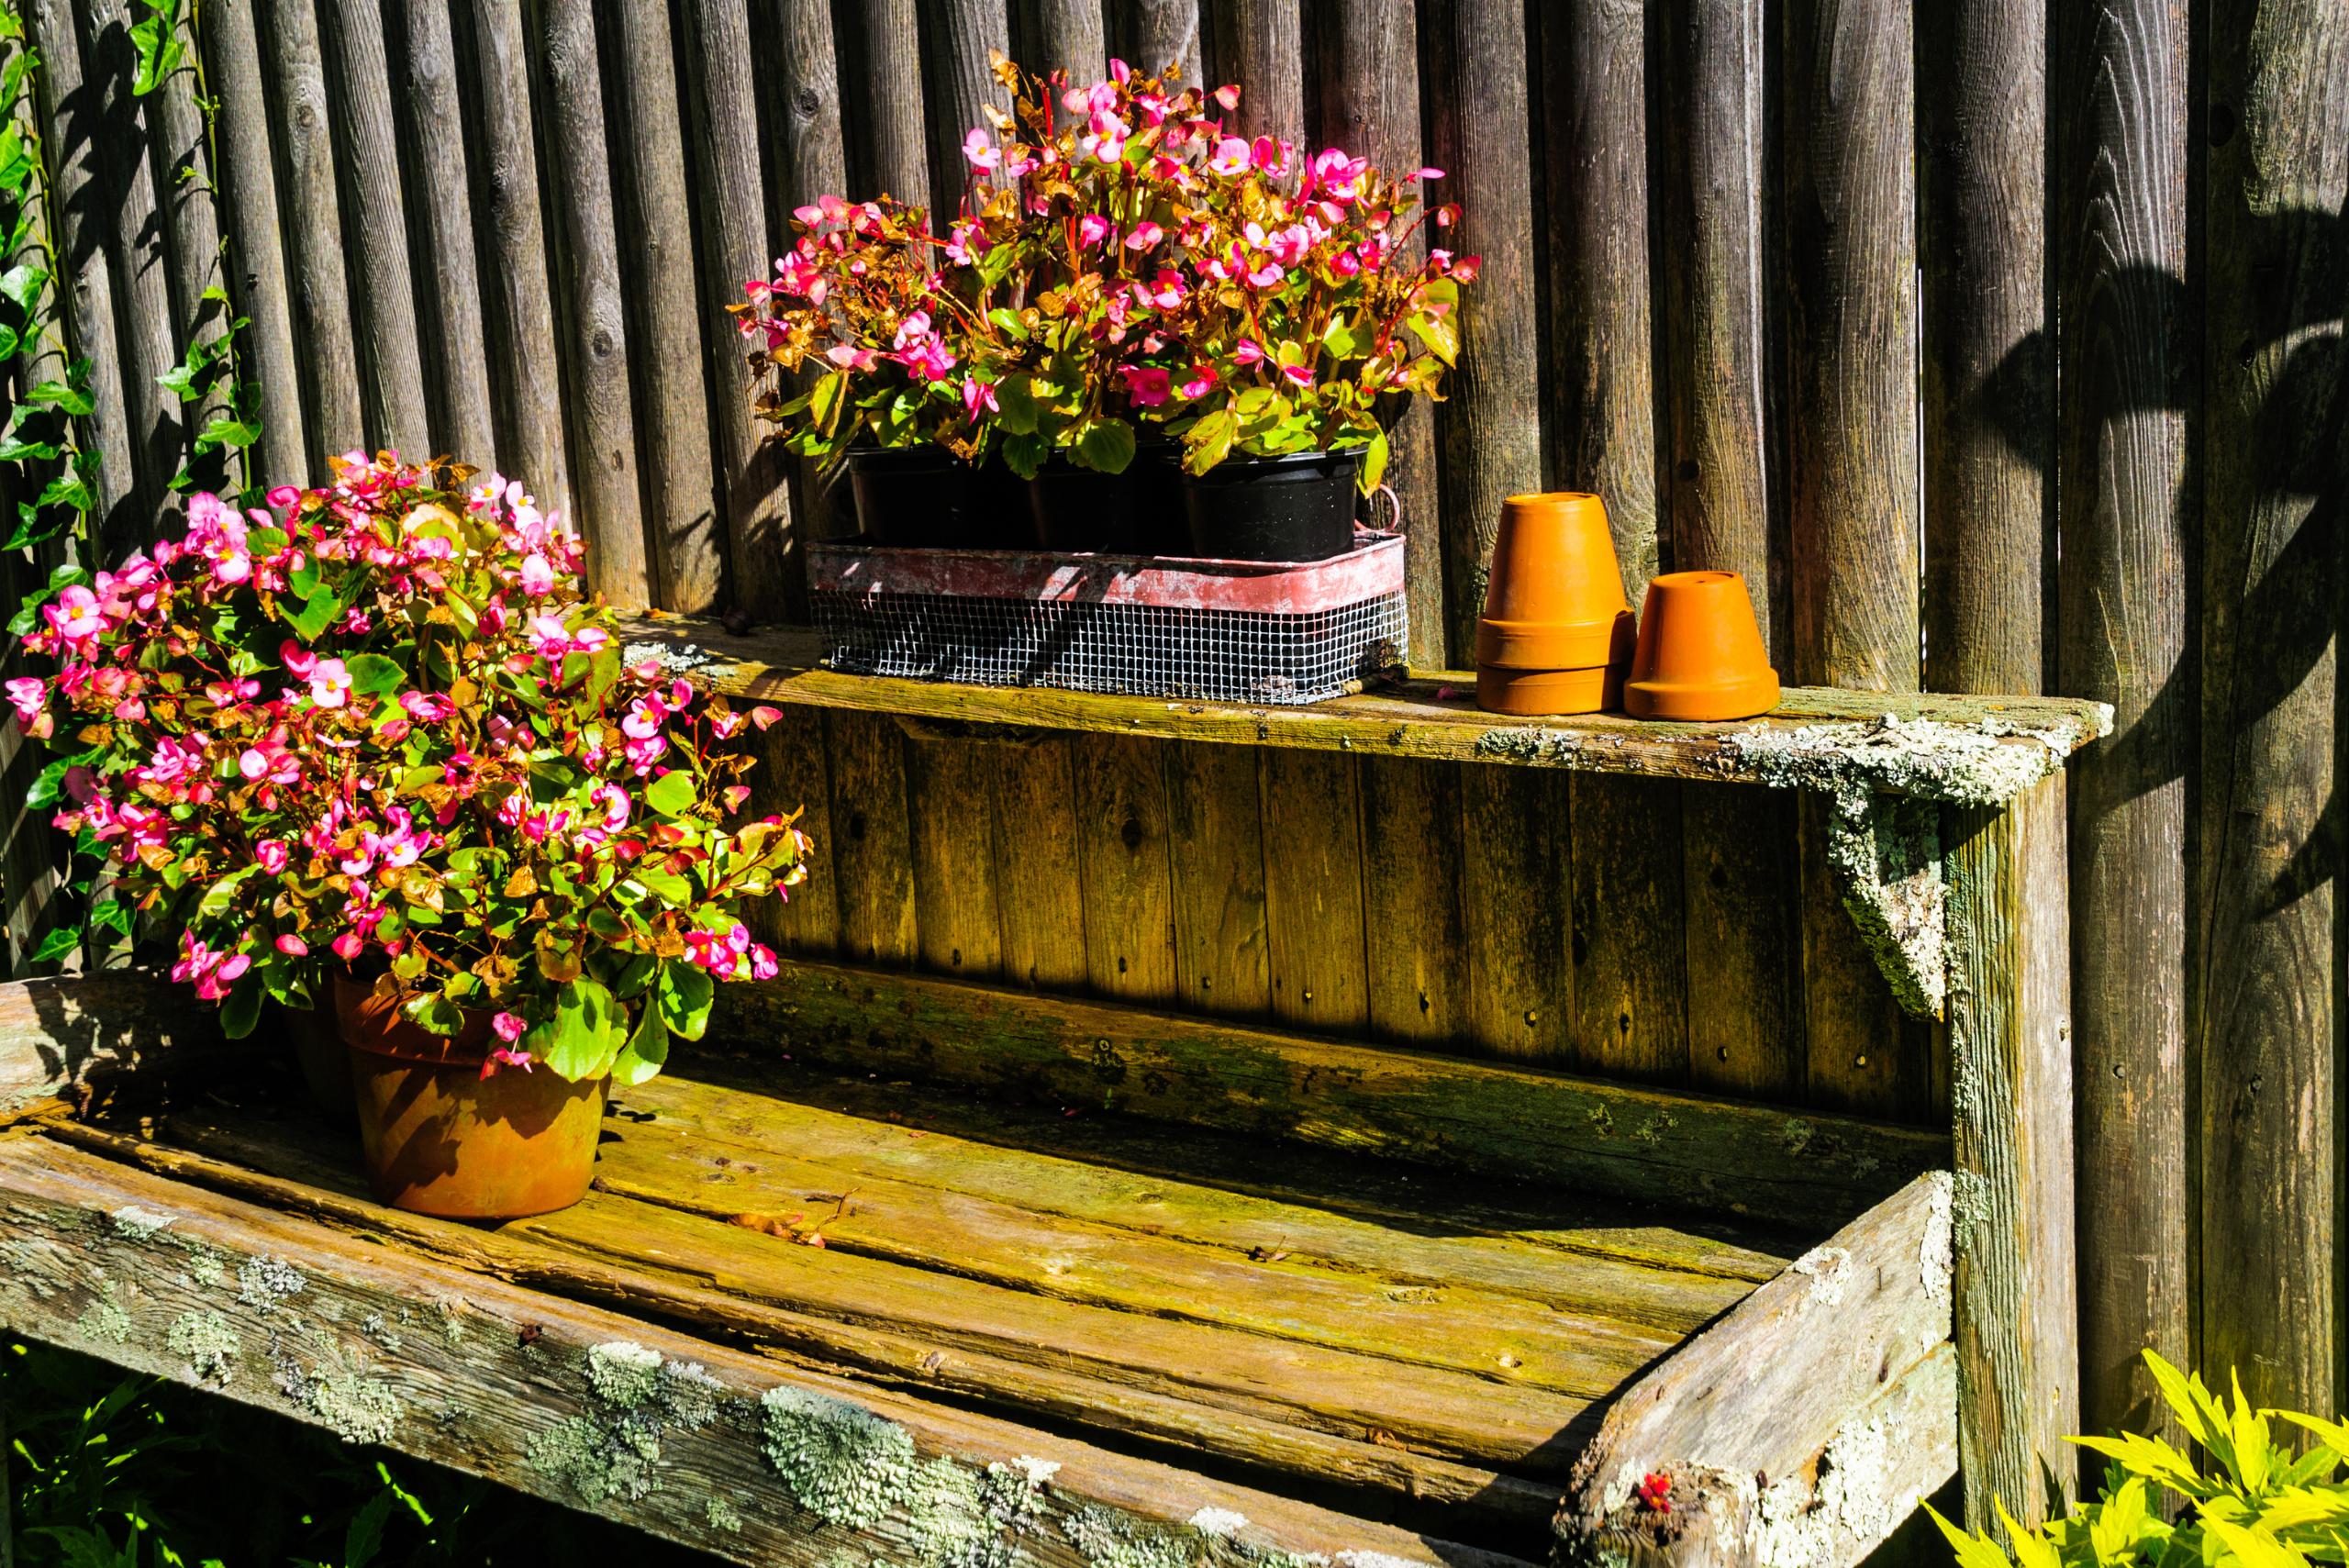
{"x":1240,"y":656}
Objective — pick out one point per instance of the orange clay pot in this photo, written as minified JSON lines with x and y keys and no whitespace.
{"x":1556,"y":634}
{"x":441,"y":1139}
{"x":1700,"y":655}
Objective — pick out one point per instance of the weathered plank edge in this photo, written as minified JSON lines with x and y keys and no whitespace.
{"x":1801,"y":1428}
{"x":73,"y":1030}
{"x":702,"y":1444}
{"x":1618,"y":1139}
{"x":1976,"y":751}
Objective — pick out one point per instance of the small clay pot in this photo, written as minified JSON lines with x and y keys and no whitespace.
{"x":1700,"y":657}
{"x":442,"y":1139}
{"x":1556,"y":635}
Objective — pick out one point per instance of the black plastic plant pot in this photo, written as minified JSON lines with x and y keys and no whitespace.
{"x":1297,"y":507}
{"x":918,"y":498}
{"x":1073,"y":510}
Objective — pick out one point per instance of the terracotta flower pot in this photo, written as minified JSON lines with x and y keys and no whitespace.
{"x":1557,"y":633}
{"x":441,"y":1139}
{"x":1700,"y":655}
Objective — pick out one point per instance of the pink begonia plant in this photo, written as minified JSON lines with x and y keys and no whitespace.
{"x":376,"y":723}
{"x":1117,"y":260}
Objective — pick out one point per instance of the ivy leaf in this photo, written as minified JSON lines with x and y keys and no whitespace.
{"x":17,"y":449}
{"x":227,"y":433}
{"x":16,"y":158}
{"x":160,"y":51}
{"x":62,"y":395}
{"x":114,"y":913}
{"x":223,"y":893}
{"x":48,"y":788}
{"x":671,"y":794}
{"x":684,"y":996}
{"x":60,"y":941}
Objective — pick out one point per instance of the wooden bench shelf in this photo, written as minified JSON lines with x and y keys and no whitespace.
{"x":1370,"y":1356}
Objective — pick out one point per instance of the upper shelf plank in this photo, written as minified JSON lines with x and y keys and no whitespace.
{"x":1975,"y":749}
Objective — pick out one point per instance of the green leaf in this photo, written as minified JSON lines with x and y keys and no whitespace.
{"x":223,"y":893}
{"x":1007,"y":322}
{"x":239,"y":433}
{"x":373,"y":674}
{"x":682,"y":997}
{"x":672,"y":887}
{"x":1340,"y":339}
{"x":1373,"y":464}
{"x":581,"y":1045}
{"x":60,"y":941}
{"x":435,"y":1013}
{"x":114,"y":913}
{"x":49,"y":787}
{"x":646,"y":1052}
{"x":159,"y":47}
{"x":303,"y":579}
{"x":318,"y":611}
{"x":673,"y":793}
{"x":1015,"y":398}
{"x":1439,"y":334}
{"x":243,"y":1009}
{"x":1025,"y":455}
{"x":1209,"y":441}
{"x":1106,"y":446}
{"x":16,"y":449}
{"x":63,"y":397}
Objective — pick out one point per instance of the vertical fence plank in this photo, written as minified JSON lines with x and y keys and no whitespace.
{"x":85,"y":286}
{"x":1313,"y":876}
{"x":1515,"y":842}
{"x":1154,"y":34}
{"x":1215,"y":824}
{"x":871,"y":854}
{"x":191,"y":218}
{"x":958,"y":35}
{"x":760,"y":545}
{"x":1745,"y":942}
{"x":1063,"y":34}
{"x":1412,"y":901}
{"x":1260,"y":44}
{"x":1371,"y":107}
{"x":1988,"y":372}
{"x":1629,"y":939}
{"x":313,"y":218}
{"x":525,"y":372}
{"x":603,"y":424}
{"x":1851,"y":198}
{"x":449,"y":309}
{"x":2273,"y":410}
{"x":949,"y":785}
{"x":1489,"y":429}
{"x":143,"y":333}
{"x":792,"y":776}
{"x":1125,"y":869}
{"x":880,"y":43}
{"x":391,"y":368}
{"x":2015,"y":1317}
{"x":1715,"y":302}
{"x":1038,"y":897}
{"x":655,"y":227}
{"x":1601,"y":384}
{"x":257,"y":269}
{"x":2127,"y":523}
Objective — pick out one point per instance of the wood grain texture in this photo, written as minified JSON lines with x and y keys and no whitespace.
{"x":950,"y":812}
{"x":87,"y":1029}
{"x":467,"y":1387}
{"x":1413,"y":901}
{"x":2270,"y":988}
{"x":448,"y":307}
{"x":1215,"y":830}
{"x":1260,"y":45}
{"x":1861,"y":1053}
{"x":383,"y":301}
{"x":793,"y":774}
{"x":258,"y":275}
{"x":1489,"y":427}
{"x":1040,"y":900}
{"x":881,"y":71}
{"x":518,"y":305}
{"x":1988,"y":384}
{"x":1314,"y":867}
{"x":1486,"y":1117}
{"x":602,"y":423}
{"x":958,"y":39}
{"x":1125,"y":867}
{"x":1715,"y":213}
{"x":1601,"y":381}
{"x":1154,"y":34}
{"x":2016,"y":1304}
{"x":188,"y":209}
{"x":756,"y":531}
{"x":1370,"y":109}
{"x":872,"y":855}
{"x":1066,"y":35}
{"x":1516,"y":844}
{"x":2128,"y":518}
{"x":1851,"y":211}
{"x":1745,"y":999}
{"x":668,"y":363}
{"x":1630,"y":933}
{"x":1798,"y":1369}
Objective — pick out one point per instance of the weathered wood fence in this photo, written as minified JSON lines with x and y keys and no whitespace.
{"x":1874,"y":304}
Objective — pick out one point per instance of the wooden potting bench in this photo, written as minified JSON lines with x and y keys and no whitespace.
{"x":1229,"y":1139}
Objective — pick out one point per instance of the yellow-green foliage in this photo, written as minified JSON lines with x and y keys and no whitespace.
{"x":2259,"y":1507}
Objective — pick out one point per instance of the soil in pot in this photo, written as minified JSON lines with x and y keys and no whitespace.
{"x":442,"y":1139}
{"x":1297,"y":507}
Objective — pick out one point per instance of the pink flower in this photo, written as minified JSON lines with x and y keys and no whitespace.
{"x":929,"y":362}
{"x":980,"y":150}
{"x":1298,"y":375}
{"x":427,"y":708}
{"x":31,"y":696}
{"x":285,"y":496}
{"x":1289,"y":245}
{"x":614,"y":802}
{"x":298,"y":661}
{"x":1093,"y":228}
{"x":1266,"y":276}
{"x":505,"y":1056}
{"x":348,"y":946}
{"x":1106,"y":134}
{"x":765,"y":717}
{"x":1248,"y":353}
{"x":645,"y":718}
{"x":1166,"y":291}
{"x":914,"y":330}
{"x":272,"y":855}
{"x":329,"y":683}
{"x":1197,"y":381}
{"x":550,"y":635}
{"x":978,"y":395}
{"x":271,"y":762}
{"x":75,"y":617}
{"x":538,"y":577}
{"x":1146,"y":384}
{"x":1230,"y":155}
{"x":293,"y":946}
{"x":510,"y":1026}
{"x":852,"y":359}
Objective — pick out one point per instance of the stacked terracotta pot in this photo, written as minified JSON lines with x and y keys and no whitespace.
{"x":1558,"y":635}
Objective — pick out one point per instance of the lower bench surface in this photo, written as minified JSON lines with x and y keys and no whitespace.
{"x":797,"y":1305}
